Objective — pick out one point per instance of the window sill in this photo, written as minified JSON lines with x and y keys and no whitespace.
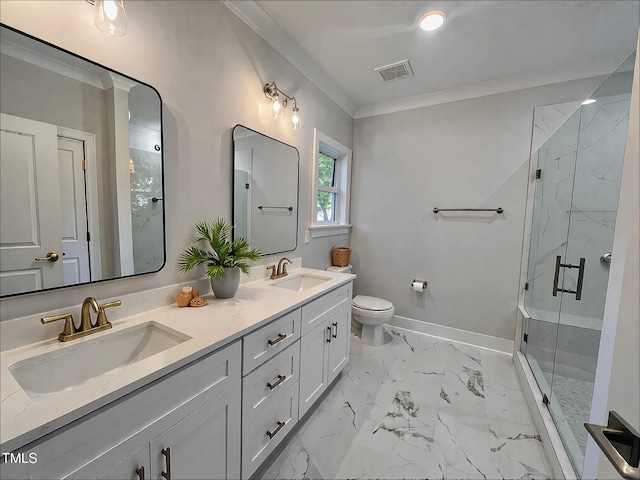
{"x":318,"y":231}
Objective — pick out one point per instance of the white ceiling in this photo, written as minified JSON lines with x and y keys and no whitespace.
{"x":484,"y":47}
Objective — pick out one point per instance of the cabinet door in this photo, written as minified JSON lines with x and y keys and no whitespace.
{"x":112,"y":466}
{"x":134,"y":467}
{"x":338,"y":355}
{"x":203,"y":445}
{"x":313,"y":365}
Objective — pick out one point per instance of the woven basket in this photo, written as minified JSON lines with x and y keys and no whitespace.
{"x":340,"y":256}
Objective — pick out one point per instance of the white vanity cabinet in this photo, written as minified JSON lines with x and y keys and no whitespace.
{"x":325,"y":344}
{"x":203,"y":445}
{"x":218,"y":417}
{"x":287,"y":364}
{"x":195,"y":410}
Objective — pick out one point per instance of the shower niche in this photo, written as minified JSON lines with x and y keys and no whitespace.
{"x":577,"y":170}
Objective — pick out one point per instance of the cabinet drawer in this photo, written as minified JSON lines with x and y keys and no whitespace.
{"x":270,"y":340}
{"x":316,"y":311}
{"x":263,"y":435}
{"x":268,"y":383}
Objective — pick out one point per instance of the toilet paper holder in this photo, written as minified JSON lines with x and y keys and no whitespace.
{"x":423,"y":282}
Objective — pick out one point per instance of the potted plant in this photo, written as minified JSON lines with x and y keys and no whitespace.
{"x":225,"y":259}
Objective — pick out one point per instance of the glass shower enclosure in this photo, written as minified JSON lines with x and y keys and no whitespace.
{"x":579,"y":169}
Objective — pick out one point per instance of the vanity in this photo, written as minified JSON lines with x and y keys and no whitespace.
{"x":223,"y":386}
{"x":182,"y":393}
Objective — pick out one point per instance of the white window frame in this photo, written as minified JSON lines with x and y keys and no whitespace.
{"x":327,"y":145}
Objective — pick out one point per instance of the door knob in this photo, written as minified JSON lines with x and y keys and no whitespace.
{"x":51,"y":257}
{"x":605,"y":258}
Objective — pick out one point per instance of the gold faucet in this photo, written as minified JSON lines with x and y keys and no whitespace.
{"x":87,"y":327}
{"x":279,"y":271}
{"x":85,"y":316}
{"x":283,"y":266}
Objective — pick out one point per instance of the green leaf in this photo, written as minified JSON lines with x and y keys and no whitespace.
{"x":223,"y":252}
{"x":191,"y":258}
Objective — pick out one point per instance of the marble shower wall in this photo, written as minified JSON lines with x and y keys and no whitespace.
{"x":146,"y":215}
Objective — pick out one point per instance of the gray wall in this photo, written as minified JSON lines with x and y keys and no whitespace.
{"x":209,"y":68}
{"x":472,"y":153}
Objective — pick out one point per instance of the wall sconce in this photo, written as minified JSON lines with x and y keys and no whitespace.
{"x":272,"y":93}
{"x":110,"y":17}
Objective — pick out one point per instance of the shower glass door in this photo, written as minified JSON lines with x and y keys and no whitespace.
{"x":574,"y":215}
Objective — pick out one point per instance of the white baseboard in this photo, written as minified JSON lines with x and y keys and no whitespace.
{"x":502,"y":345}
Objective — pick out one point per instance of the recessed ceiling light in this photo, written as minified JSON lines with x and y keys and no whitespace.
{"x":589,"y":101}
{"x":432,"y":20}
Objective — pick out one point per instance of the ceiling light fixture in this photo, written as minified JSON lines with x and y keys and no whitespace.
{"x":432,"y":20}
{"x":272,"y":92}
{"x":589,"y":101}
{"x":110,"y":17}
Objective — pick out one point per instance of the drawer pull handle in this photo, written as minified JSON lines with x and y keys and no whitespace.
{"x":281,"y":336}
{"x":140,"y":472}
{"x":329,"y":336}
{"x":335,"y":335}
{"x":281,"y":378}
{"x":167,"y":456}
{"x":278,"y":428}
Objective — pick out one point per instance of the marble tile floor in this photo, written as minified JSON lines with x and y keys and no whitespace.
{"x":418,"y":407}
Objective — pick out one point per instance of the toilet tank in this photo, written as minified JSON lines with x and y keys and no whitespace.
{"x":346,"y":269}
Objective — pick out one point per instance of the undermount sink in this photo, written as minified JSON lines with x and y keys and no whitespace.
{"x":69,"y":367}
{"x":300,"y":282}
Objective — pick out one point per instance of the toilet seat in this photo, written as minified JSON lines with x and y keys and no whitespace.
{"x":372,"y":304}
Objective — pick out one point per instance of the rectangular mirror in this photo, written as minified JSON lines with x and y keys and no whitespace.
{"x":81,"y":170}
{"x":265,"y":191}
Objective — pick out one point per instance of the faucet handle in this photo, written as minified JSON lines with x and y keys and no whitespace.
{"x":273,"y":271}
{"x":69,"y":326}
{"x":102,"y":316}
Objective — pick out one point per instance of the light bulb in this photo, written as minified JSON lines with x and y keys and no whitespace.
{"x":110,"y":17}
{"x":432,"y":20}
{"x":276,"y":108}
{"x":295,"y":119}
{"x":589,"y":101}
{"x":110,"y":9}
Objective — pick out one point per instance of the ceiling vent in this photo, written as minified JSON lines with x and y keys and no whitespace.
{"x":395,"y":71}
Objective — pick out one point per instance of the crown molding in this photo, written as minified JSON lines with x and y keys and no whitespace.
{"x":38,"y":59}
{"x":261,"y":23}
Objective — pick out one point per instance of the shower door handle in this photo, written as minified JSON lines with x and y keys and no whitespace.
{"x":556,"y":277}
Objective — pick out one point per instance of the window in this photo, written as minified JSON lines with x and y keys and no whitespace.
{"x":332,"y":177}
{"x":327,"y":190}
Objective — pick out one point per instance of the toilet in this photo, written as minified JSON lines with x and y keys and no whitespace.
{"x":369,"y":313}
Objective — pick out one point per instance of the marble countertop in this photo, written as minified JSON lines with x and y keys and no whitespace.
{"x":211,"y":327}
